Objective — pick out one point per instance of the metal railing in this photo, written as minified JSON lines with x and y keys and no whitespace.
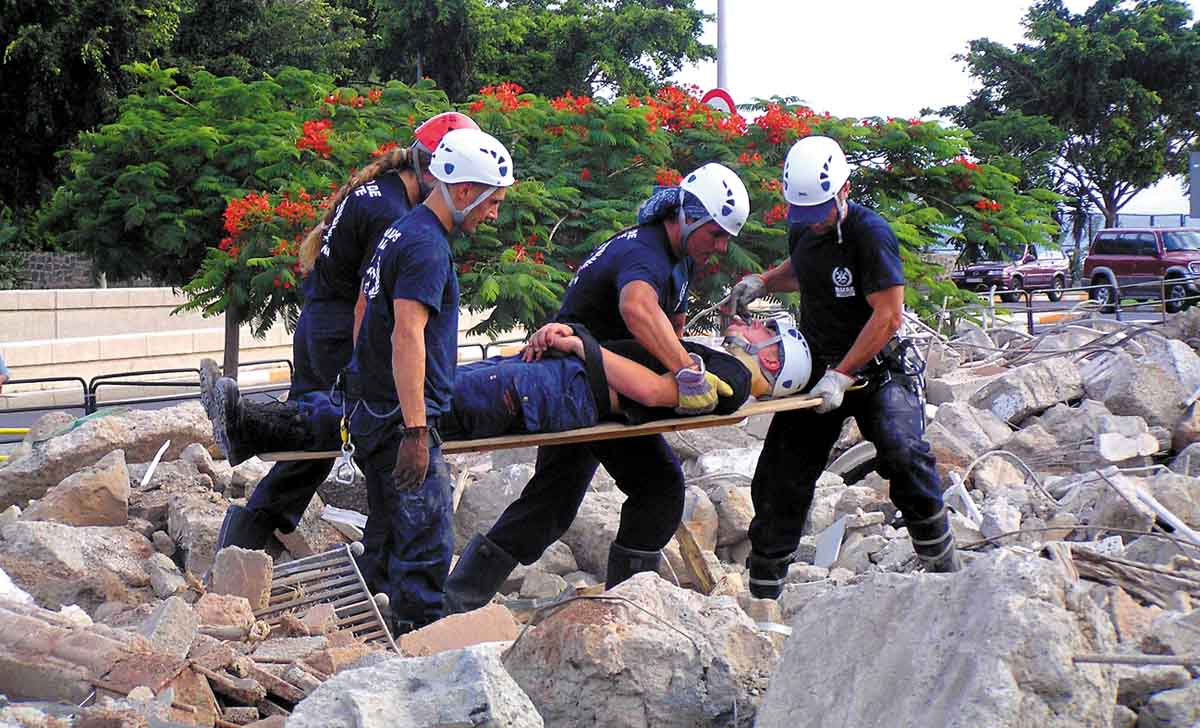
{"x":1117,"y":303}
{"x":122,"y":380}
{"x":84,"y":401}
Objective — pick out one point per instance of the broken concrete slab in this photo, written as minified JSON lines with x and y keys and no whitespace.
{"x":245,"y":573}
{"x":1128,"y":386}
{"x":492,"y":623}
{"x":485,"y":499}
{"x":1179,"y":708}
{"x":1030,"y":389}
{"x":694,"y":444}
{"x":193,"y":522}
{"x":1137,"y":684}
{"x":539,"y":585}
{"x":172,"y":627}
{"x":313,"y":535}
{"x":1017,"y":622}
{"x":979,"y":429}
{"x":594,"y":528}
{"x":735,"y":510}
{"x":165,"y":577}
{"x":97,"y":495}
{"x":468,"y":687}
{"x":960,"y":385}
{"x":139,"y":433}
{"x":701,"y":517}
{"x":87,"y":565}
{"x":224,"y":610}
{"x":681,"y":659}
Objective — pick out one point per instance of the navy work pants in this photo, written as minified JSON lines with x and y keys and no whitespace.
{"x":409,"y":537}
{"x":645,"y":469}
{"x":798,"y":445}
{"x":321,"y":347}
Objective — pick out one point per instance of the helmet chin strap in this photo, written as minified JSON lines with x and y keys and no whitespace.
{"x":423,"y":188}
{"x":456,"y":214}
{"x":842,"y":209}
{"x":687,"y":228}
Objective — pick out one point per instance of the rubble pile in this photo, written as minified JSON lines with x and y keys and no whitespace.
{"x":1071,"y":462}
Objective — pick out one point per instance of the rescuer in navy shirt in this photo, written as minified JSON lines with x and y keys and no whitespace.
{"x":845,"y":261}
{"x":333,"y":255}
{"x":633,"y":286}
{"x":401,"y":376}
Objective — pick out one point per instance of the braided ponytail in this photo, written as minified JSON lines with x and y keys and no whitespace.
{"x":397,"y":158}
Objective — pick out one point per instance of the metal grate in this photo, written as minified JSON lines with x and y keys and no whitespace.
{"x":330,"y":577}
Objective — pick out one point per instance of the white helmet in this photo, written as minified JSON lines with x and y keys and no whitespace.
{"x":470,"y":155}
{"x":813,"y":174}
{"x":722,"y":193}
{"x":794,"y":355}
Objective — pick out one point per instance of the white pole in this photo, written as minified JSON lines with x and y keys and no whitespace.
{"x":721,"y":41}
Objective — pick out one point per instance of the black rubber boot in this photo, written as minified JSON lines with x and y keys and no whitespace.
{"x":243,"y":527}
{"x":933,"y":541}
{"x":478,"y":575}
{"x":244,"y":428}
{"x":767,"y":574}
{"x":625,"y":562}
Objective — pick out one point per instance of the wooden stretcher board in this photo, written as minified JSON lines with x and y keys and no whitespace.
{"x":606,"y":431}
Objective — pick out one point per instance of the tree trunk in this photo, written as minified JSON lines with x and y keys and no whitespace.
{"x":233,"y":316}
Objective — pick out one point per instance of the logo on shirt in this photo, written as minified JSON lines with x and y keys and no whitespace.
{"x":370,"y":284}
{"x":843,"y":282}
{"x":370,"y":189}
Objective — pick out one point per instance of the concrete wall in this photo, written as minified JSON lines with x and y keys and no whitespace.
{"x":87,"y":312}
{"x":89,"y":332}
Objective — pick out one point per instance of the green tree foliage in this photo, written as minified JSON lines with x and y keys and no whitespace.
{"x":429,"y":38}
{"x":549,"y":46}
{"x":1121,"y":81}
{"x":59,"y":73}
{"x":146,"y":193}
{"x":583,"y":166}
{"x":250,"y":38}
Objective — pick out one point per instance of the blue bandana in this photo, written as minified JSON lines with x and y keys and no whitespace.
{"x":665,"y":201}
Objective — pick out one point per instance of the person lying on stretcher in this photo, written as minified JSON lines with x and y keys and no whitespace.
{"x":563,"y":380}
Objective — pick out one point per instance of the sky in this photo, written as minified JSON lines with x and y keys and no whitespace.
{"x":872,"y":58}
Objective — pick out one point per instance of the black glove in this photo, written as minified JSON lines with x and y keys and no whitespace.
{"x":412,"y":459}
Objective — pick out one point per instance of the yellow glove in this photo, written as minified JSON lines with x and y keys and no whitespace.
{"x":699,"y":390}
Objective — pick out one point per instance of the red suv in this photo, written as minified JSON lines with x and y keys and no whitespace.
{"x":1132,"y":262}
{"x":1047,"y":272}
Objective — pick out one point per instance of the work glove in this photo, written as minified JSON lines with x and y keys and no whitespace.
{"x":831,"y":389}
{"x":699,"y":390}
{"x":750,"y":288}
{"x":412,"y":459}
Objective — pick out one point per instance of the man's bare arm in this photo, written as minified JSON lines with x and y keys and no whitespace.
{"x":627,"y":377}
{"x":782,"y":278}
{"x":650,"y":326}
{"x":886,"y":316}
{"x":408,"y":359}
{"x":360,"y":310}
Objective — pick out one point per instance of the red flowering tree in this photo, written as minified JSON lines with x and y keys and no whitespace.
{"x":583,"y":167}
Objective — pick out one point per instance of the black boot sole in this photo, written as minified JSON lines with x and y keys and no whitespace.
{"x":226,"y":414}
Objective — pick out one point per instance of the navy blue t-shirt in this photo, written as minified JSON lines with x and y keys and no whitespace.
{"x":642,"y":253}
{"x":349,"y":242}
{"x":412,"y":261}
{"x":836,"y":278}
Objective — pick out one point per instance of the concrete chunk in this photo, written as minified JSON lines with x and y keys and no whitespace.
{"x":492,"y":623}
{"x":467,"y":687}
{"x":172,"y":627}
{"x":243,"y":573}
{"x":94,"y":496}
